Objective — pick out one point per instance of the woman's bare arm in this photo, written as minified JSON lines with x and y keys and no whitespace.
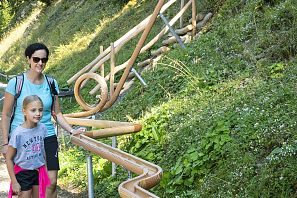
{"x":5,"y":120}
{"x":62,"y":121}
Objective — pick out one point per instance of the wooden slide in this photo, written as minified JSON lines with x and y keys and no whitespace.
{"x":149,"y":174}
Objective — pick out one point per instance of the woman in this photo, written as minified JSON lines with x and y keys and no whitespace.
{"x":35,"y":83}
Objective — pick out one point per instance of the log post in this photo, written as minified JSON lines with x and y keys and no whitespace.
{"x":165,"y":29}
{"x":182,"y":31}
{"x":145,"y":62}
{"x":194,"y":17}
{"x":199,"y":17}
{"x":135,"y":54}
{"x":172,"y":40}
{"x":161,"y":50}
{"x":182,"y":3}
{"x":112,"y":66}
{"x":206,"y":18}
{"x":102,"y":66}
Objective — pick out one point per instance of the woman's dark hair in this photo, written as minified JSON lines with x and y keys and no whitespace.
{"x":34,"y":47}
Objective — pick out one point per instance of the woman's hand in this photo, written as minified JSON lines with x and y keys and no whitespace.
{"x":78,"y":131}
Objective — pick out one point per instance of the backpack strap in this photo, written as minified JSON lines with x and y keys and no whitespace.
{"x":19,"y":81}
{"x":51,"y":83}
{"x":18,"y":85}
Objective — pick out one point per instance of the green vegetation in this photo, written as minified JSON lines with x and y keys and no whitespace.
{"x":219,"y":117}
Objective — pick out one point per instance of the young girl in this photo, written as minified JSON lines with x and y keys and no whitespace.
{"x":25,"y":158}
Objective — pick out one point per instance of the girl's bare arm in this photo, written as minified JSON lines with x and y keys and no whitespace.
{"x":16,"y":188}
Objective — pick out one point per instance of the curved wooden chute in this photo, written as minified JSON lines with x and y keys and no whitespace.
{"x":106,"y":128}
{"x":149,"y":174}
{"x":89,"y":109}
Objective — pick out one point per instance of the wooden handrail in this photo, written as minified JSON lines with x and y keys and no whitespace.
{"x":114,"y":93}
{"x":135,"y":54}
{"x":117,"y":44}
{"x":148,"y":45}
{"x":96,"y":123}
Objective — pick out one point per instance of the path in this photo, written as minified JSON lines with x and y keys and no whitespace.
{"x":4,"y":178}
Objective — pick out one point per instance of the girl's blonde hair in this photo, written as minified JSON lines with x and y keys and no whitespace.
{"x":29,"y":99}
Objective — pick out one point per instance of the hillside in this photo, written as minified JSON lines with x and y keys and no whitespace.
{"x":219,"y":116}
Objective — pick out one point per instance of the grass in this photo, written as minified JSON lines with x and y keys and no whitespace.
{"x":219,"y":116}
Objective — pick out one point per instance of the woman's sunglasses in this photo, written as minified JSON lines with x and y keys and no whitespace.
{"x":37,"y":59}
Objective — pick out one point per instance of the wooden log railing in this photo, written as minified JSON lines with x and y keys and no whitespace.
{"x":98,"y":63}
{"x":119,"y":43}
{"x":147,"y":46}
